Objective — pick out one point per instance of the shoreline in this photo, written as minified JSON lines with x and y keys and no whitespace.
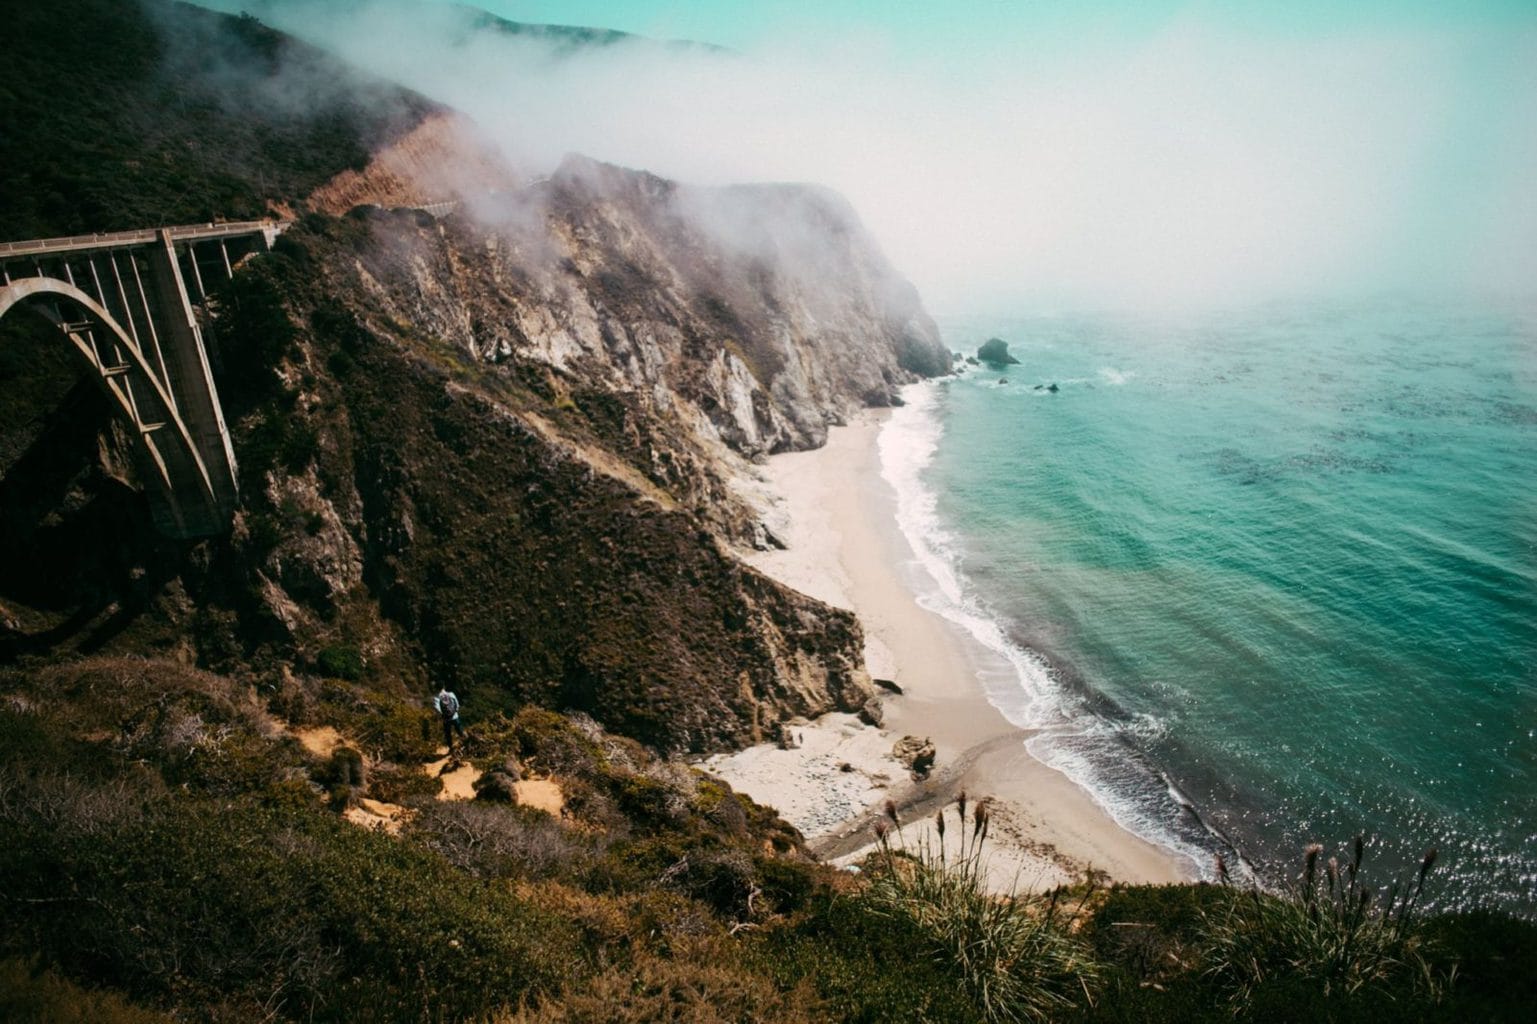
{"x":836,"y":514}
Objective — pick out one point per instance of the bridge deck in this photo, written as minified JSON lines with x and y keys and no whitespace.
{"x":144,"y":236}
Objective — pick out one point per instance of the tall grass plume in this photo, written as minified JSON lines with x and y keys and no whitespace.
{"x":1016,"y":955}
{"x":1328,"y":928}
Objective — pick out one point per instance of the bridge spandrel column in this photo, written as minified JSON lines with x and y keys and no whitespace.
{"x":191,"y":379}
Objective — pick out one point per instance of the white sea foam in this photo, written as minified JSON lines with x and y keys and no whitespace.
{"x":1017,"y":682}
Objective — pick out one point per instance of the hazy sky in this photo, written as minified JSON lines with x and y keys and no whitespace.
{"x":1033,"y":155}
{"x":965,"y":26}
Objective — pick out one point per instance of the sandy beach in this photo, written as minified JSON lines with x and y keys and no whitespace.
{"x":836,"y":516}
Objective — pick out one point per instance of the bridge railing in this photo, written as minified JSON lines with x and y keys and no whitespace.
{"x":143,"y":236}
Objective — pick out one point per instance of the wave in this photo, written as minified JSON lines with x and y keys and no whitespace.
{"x":1096,"y":753}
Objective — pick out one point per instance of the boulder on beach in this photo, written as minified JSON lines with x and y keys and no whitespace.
{"x":917,"y":754}
{"x":995,"y":353}
{"x":871,"y":713}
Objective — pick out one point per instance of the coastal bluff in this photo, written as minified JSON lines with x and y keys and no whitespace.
{"x":491,"y":447}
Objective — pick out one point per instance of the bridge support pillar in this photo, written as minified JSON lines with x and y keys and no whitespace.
{"x":191,"y":379}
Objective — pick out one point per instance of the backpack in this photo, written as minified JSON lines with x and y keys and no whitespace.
{"x":448,"y":705}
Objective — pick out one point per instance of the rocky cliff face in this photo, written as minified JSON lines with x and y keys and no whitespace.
{"x":495,"y":449}
{"x":759,"y":315}
{"x":523,"y":465}
{"x":528,"y":415}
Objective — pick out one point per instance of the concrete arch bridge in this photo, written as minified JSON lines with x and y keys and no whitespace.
{"x":129,"y":304}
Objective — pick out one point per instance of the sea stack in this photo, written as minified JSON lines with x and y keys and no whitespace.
{"x":995,"y":353}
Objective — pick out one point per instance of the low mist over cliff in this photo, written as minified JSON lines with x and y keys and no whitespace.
{"x":1026,"y":156}
{"x":492,"y":447}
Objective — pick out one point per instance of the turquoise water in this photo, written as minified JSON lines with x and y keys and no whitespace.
{"x":1264,"y":577}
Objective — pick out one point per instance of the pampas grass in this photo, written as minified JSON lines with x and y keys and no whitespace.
{"x":1329,"y":931}
{"x":1016,"y":954}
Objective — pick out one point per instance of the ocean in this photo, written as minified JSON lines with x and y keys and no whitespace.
{"x":1257,"y":578}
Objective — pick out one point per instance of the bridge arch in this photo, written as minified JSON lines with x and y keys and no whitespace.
{"x":184,"y":492}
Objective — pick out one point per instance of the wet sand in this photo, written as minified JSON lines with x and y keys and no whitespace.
{"x":836,"y":515}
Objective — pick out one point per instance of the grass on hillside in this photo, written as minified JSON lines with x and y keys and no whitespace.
{"x":164,"y":852}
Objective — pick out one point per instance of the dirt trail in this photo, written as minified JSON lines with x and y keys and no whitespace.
{"x":458,"y":777}
{"x":541,"y":794}
{"x":320,"y":740}
{"x":377,"y":814}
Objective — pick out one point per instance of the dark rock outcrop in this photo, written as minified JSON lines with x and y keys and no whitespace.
{"x":995,"y":353}
{"x":784,"y":737}
{"x":917,"y":754}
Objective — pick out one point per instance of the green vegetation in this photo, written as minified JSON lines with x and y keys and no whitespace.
{"x":170,"y":849}
{"x":1331,"y":934}
{"x":165,"y":849}
{"x":341,"y":661}
{"x":1015,"y":956}
{"x":33,"y":995}
{"x":124,"y":115}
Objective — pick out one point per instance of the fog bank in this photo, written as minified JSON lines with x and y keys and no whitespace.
{"x":1199,"y":164}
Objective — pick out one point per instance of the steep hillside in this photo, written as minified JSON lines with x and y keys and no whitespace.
{"x":759,"y":315}
{"x":493,"y":450}
{"x":497,"y":515}
{"x":438,"y":160}
{"x":124,"y":114}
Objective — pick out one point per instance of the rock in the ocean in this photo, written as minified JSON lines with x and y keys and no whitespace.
{"x":995,"y":353}
{"x":889,"y":686}
{"x":1003,"y":380}
{"x":917,"y":754}
{"x":1053,"y":388}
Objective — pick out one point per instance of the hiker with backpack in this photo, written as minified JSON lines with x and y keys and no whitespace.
{"x":447,"y":705}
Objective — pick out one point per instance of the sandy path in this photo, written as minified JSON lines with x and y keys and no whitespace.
{"x":540,"y":794}
{"x":320,"y":740}
{"x":458,"y":777}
